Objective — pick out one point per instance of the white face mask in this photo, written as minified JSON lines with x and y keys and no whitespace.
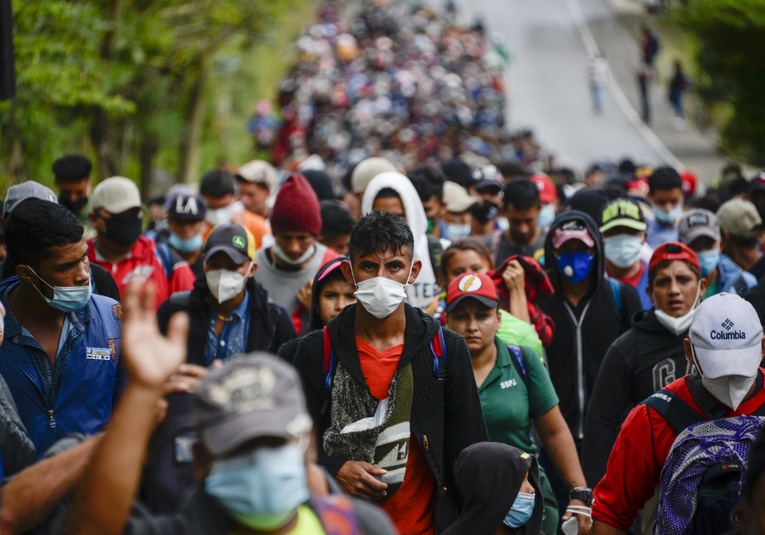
{"x":380,"y":296}
{"x":221,"y":215}
{"x":730,"y":390}
{"x":458,"y":230}
{"x":225,"y":284}
{"x":287,"y":260}
{"x":681,"y":324}
{"x":622,"y":250}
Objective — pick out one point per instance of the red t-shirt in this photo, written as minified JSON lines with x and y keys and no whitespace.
{"x":635,"y":279}
{"x":142,"y":264}
{"x":411,"y":508}
{"x":634,"y":467}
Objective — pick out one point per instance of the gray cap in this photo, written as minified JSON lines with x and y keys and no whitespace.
{"x":26,"y":190}
{"x":696,"y":224}
{"x":250,"y":396}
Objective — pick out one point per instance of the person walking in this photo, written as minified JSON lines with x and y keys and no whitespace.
{"x":678,"y":85}
{"x":597,"y":76}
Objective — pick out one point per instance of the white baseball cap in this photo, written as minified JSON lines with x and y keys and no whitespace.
{"x":116,"y":195}
{"x":726,"y":335}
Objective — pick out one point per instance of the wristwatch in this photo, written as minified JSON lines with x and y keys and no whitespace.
{"x":581,"y":493}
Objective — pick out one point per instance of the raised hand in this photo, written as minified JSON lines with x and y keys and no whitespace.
{"x":150,"y":357}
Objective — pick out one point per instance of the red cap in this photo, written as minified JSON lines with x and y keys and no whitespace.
{"x":472,"y":285}
{"x":673,"y":250}
{"x":546,"y":187}
{"x":688,"y":178}
{"x":296,"y":208}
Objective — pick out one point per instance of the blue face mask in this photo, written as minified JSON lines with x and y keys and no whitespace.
{"x":65,"y":298}
{"x":575,"y":265}
{"x":708,"y":261}
{"x":263,"y":488}
{"x":185,"y":245}
{"x":521,"y":511}
{"x":546,"y":215}
{"x":457,"y":230}
{"x":668,"y":217}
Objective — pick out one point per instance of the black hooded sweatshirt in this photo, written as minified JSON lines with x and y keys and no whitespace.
{"x":489,"y":476}
{"x":641,"y":362}
{"x":583,"y":333}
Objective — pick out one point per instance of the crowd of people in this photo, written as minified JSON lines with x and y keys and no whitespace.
{"x":399,"y":325}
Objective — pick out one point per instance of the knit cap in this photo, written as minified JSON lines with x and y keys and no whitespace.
{"x":296,"y":208}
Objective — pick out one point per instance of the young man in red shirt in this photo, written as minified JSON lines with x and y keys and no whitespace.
{"x":727,"y":368}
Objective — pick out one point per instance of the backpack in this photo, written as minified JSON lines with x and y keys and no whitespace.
{"x":520,"y":366}
{"x":617,"y":289}
{"x":437,"y":349}
{"x":336,"y":514}
{"x":168,"y":258}
{"x":703,"y":476}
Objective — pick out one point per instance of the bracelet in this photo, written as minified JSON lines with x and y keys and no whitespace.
{"x":580,"y":510}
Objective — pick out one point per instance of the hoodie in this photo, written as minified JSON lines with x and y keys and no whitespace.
{"x":489,"y":476}
{"x":639,"y":363}
{"x":583,"y":333}
{"x":425,"y":288}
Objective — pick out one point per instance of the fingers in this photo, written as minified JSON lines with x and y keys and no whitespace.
{"x":178,"y":328}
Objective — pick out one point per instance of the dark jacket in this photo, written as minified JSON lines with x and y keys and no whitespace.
{"x":583,"y":333}
{"x":270,"y":324}
{"x":445,"y":418}
{"x":639,"y":363}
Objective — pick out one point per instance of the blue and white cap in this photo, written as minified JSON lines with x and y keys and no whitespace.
{"x":726,"y":335}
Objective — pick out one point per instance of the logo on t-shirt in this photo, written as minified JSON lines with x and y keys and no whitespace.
{"x":98,"y":353}
{"x":508,"y":384}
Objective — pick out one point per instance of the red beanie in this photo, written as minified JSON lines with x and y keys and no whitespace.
{"x":296,"y":208}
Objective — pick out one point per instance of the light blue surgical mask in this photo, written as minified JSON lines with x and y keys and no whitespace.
{"x":263,"y":488}
{"x":65,"y":298}
{"x":708,"y":260}
{"x":458,"y":230}
{"x":668,"y":217}
{"x":287,"y":260}
{"x":622,"y":250}
{"x":546,"y":215}
{"x":521,"y":511}
{"x":185,"y":245}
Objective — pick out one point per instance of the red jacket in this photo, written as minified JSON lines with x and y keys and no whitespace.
{"x":641,"y":449}
{"x":144,"y":265}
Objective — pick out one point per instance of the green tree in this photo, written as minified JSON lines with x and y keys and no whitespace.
{"x":731,"y":47}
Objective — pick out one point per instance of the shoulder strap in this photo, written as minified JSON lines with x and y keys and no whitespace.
{"x":163,"y":253}
{"x":435,"y":251}
{"x":616,"y":291}
{"x":180,"y":298}
{"x":495,"y":239}
{"x":740,"y":285}
{"x":438,"y":350}
{"x":520,"y":365}
{"x":677,"y":412}
{"x":329,"y":360}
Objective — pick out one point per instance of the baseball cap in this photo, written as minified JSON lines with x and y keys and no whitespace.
{"x":366,"y":170}
{"x":688,"y":180}
{"x":622,"y":213}
{"x":472,"y":286}
{"x":250,"y":396}
{"x":572,"y":230}
{"x":697,"y":223}
{"x":26,"y":190}
{"x":757,"y":183}
{"x":116,"y":195}
{"x":457,"y":199}
{"x":232,"y":239}
{"x":726,"y":335}
{"x":487,"y":179}
{"x":188,"y":207}
{"x":259,"y":172}
{"x":673,"y":251}
{"x":740,"y":217}
{"x":547,"y":191}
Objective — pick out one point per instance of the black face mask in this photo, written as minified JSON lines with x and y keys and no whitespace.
{"x":483,"y":213}
{"x":123,"y":231}
{"x":73,"y":206}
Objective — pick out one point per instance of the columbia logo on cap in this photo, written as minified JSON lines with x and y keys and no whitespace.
{"x":727,"y":324}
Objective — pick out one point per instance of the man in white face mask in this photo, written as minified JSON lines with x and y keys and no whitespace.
{"x":623,"y":228}
{"x":229,"y":312}
{"x":649,"y":356}
{"x":725,"y":344}
{"x":392,"y":417}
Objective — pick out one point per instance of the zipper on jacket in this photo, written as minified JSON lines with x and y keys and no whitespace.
{"x":51,"y":420}
{"x":580,"y":383}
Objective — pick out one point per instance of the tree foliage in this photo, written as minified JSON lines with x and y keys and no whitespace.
{"x":731,"y":48}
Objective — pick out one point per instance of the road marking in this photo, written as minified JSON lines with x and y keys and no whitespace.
{"x":575,"y":8}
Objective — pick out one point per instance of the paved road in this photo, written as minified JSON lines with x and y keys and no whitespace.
{"x":547,"y":85}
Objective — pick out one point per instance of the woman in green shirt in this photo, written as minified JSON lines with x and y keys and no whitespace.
{"x":516,"y":392}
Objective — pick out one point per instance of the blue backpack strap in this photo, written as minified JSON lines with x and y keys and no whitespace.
{"x":163,"y":253}
{"x":677,"y":412}
{"x":438,"y":350}
{"x":518,"y":362}
{"x":616,"y":291}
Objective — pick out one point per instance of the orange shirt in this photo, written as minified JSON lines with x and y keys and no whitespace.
{"x":257,"y":225}
{"x":411,"y":508}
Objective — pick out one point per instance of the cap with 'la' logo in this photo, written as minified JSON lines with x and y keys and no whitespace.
{"x":726,"y":336}
{"x":187,"y":207}
{"x":234,"y":240}
{"x":472,"y":286}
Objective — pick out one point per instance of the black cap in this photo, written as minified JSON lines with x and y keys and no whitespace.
{"x":232,"y":239}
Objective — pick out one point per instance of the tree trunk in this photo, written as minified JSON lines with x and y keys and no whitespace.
{"x":147,"y":152}
{"x":195,"y":116}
